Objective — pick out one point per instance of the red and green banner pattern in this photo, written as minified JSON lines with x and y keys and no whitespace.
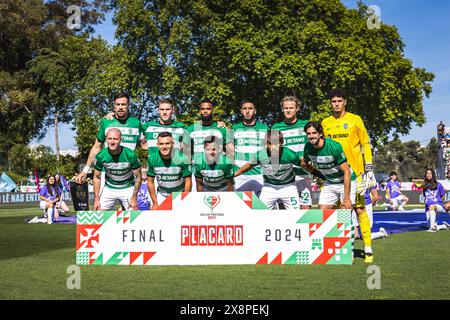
{"x":214,"y":228}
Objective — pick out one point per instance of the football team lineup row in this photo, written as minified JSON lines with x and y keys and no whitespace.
{"x":277,"y":164}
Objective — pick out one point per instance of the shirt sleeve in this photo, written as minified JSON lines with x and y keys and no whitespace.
{"x":186,"y":170}
{"x":135,"y":164}
{"x":340,"y":155}
{"x":150,"y":169}
{"x":101,"y":132}
{"x":229,"y":174}
{"x":364,"y":140}
{"x":98,"y":164}
{"x":197,"y":171}
{"x":43,"y":191}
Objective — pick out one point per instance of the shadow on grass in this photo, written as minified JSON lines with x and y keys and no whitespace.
{"x":18,"y":239}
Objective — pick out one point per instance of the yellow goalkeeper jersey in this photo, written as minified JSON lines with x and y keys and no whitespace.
{"x":351,"y":133}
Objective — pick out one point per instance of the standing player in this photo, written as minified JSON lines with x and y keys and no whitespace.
{"x":395,"y":196}
{"x":122,"y":173}
{"x":130,"y":128}
{"x":248,"y":139}
{"x":171,"y":169}
{"x":433,"y":193}
{"x":348,"y":129}
{"x":197,"y":132}
{"x":215,"y":171}
{"x":294,"y":139}
{"x":165,"y":123}
{"x":277,"y":165}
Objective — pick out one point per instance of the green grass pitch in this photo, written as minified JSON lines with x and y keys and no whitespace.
{"x":34,"y":261}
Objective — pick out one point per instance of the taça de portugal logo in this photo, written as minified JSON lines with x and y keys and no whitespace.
{"x":211,"y":201}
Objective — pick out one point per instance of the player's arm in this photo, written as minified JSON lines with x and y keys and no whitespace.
{"x":307,"y":166}
{"x":347,"y":203}
{"x":199,"y":183}
{"x":137,"y":185}
{"x":97,"y":182}
{"x":230,"y":150}
{"x":230,"y":184}
{"x":229,"y":178}
{"x":142,"y":141}
{"x":374,"y":197}
{"x":152,"y":191}
{"x":246,"y":167}
{"x":96,"y":148}
{"x":364,"y":141}
{"x":187,"y":184}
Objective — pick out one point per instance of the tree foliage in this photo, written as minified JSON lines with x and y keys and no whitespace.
{"x":408,"y":159}
{"x":230,"y":50}
{"x":31,"y":82}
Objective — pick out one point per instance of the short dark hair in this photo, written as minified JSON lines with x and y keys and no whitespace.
{"x":337,"y":92}
{"x":121,"y":95}
{"x":213,"y":139}
{"x":166,"y":100}
{"x":392,"y":173}
{"x":206,"y":100}
{"x":316,"y":125}
{"x":164,"y":134}
{"x":274,"y":133}
{"x":246,"y":101}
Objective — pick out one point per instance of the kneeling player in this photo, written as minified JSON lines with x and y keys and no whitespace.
{"x":171,"y":169}
{"x":277,"y":165}
{"x":122,"y":173}
{"x":213,"y":171}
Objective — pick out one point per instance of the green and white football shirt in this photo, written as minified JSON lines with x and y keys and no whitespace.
{"x":214,"y":175}
{"x":130,"y":128}
{"x":278,"y":171}
{"x":153,"y":128}
{"x":294,"y":139}
{"x":248,"y":140}
{"x":196,"y":134}
{"x":328,"y":160}
{"x":118,"y":168}
{"x":170,"y":173}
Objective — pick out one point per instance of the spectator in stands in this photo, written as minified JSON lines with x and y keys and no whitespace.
{"x":434,"y":194}
{"x":60,"y":205}
{"x":49,"y":196}
{"x":395,"y":195}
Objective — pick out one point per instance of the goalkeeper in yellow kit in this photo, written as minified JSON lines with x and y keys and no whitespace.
{"x":348,"y":129}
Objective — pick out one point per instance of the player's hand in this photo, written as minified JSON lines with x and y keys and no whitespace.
{"x":369,"y":177}
{"x":154,"y":206}
{"x":96,"y":205}
{"x":81,"y":177}
{"x":133,"y":204}
{"x":221,"y":124}
{"x":361,"y":187}
{"x":110,"y":116}
{"x":347,"y":204}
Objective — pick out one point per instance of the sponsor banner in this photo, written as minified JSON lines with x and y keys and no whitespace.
{"x":213,"y":228}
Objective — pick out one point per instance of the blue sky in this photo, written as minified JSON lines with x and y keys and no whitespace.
{"x":425,"y":29}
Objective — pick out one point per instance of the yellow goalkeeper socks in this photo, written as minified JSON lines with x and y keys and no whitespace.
{"x":364,"y":226}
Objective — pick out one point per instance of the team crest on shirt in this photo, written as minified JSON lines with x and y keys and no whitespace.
{"x":345,"y":125}
{"x":130,"y":131}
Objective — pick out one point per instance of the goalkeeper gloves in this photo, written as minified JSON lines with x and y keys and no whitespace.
{"x":369,"y":178}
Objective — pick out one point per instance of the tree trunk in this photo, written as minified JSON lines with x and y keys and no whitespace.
{"x":56,"y":137}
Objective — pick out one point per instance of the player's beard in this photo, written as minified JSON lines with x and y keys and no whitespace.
{"x":207,"y":118}
{"x":248,"y":121}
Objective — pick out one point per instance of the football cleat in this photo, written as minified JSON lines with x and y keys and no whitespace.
{"x":368,"y":258}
